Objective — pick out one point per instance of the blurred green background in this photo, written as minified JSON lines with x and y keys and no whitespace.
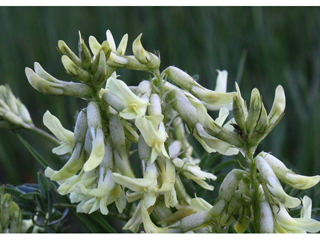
{"x":258,"y":46}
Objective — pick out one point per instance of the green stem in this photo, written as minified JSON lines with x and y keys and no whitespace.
{"x":255,"y":189}
{"x":45,"y":135}
{"x":64,"y":205}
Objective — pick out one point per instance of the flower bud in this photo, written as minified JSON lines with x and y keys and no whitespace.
{"x":84,"y":53}
{"x":279,"y":104}
{"x":73,"y":70}
{"x":155,"y":105}
{"x":56,"y":87}
{"x":24,"y":113}
{"x":266,"y":217}
{"x":143,"y":56}
{"x":185,"y":109}
{"x":181,"y":78}
{"x":99,"y":77}
{"x":287,"y":176}
{"x":240,"y":111}
{"x":195,"y":221}
{"x":239,"y":115}
{"x":260,"y":131}
{"x":81,"y":127}
{"x":230,"y":184}
{"x":65,"y":50}
{"x":254,"y":110}
{"x":93,"y":115}
{"x":117,"y":135}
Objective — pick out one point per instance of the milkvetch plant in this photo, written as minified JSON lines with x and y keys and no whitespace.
{"x":157,"y":118}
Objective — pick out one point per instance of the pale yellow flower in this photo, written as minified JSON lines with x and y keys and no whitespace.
{"x":65,"y":136}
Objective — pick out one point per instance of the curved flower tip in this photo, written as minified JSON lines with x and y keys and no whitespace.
{"x":301,"y":182}
{"x":286,"y":223}
{"x":111,"y":41}
{"x":64,"y":135}
{"x":274,"y":185}
{"x":287,"y":176}
{"x":221,"y":85}
{"x":41,"y":84}
{"x":148,"y":225}
{"x":97,"y":151}
{"x":72,"y":166}
{"x":279,"y":104}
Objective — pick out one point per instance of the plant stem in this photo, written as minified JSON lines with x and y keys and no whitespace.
{"x":45,"y":135}
{"x":255,"y":188}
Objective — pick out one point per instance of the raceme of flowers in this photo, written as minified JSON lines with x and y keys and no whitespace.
{"x":158,"y":115}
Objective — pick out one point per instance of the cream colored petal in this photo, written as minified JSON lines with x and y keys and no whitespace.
{"x":62,"y":149}
{"x":148,"y":225}
{"x":94,"y":45}
{"x":134,"y":184}
{"x":121,"y":90}
{"x":97,"y":152}
{"x":103,"y":205}
{"x":54,"y":125}
{"x":306,"y":207}
{"x":200,"y":205}
{"x":221,"y":85}
{"x":274,"y":185}
{"x":72,"y":166}
{"x":285,"y":220}
{"x":287,"y":176}
{"x":110,"y":39}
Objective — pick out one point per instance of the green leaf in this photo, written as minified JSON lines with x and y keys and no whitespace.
{"x":34,"y":153}
{"x":43,"y":184}
{"x":40,"y":203}
{"x":95,"y":223}
{"x":10,"y":189}
{"x":50,"y":202}
{"x":209,"y":161}
{"x":29,"y":196}
{"x":55,"y":216}
{"x":224,"y":165}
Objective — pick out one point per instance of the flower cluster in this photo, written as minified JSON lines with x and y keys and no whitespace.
{"x":157,"y":115}
{"x":13,"y":113}
{"x":11,"y":215}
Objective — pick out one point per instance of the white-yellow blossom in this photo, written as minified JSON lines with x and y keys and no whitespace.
{"x":134,"y":106}
{"x":65,"y":136}
{"x":287,"y":176}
